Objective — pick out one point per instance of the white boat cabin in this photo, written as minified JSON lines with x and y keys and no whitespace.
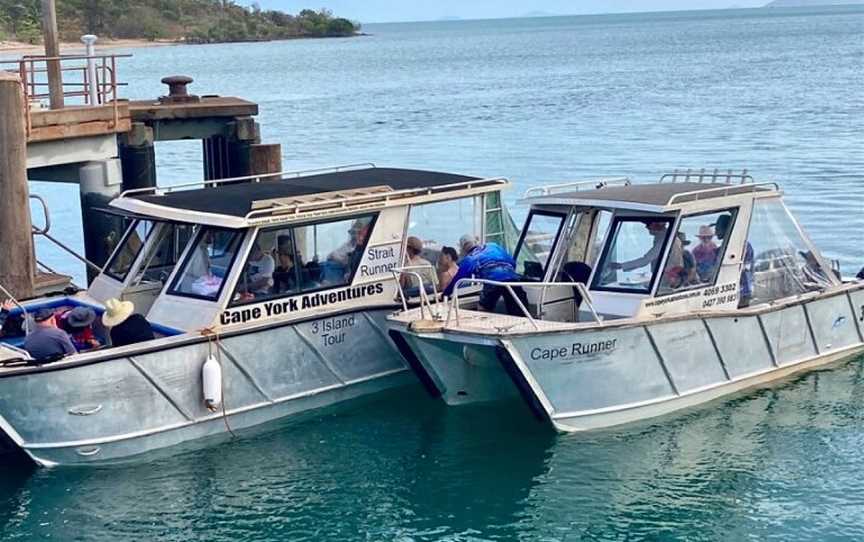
{"x":689,"y":243}
{"x":236,"y":252}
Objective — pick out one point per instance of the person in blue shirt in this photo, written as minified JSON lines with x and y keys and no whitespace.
{"x":490,"y":262}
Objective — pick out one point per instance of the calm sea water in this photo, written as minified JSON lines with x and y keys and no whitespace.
{"x":779,"y":92}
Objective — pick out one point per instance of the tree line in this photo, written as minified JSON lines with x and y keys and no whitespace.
{"x":193,"y":21}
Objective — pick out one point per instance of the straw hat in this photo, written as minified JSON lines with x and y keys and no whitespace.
{"x":116,"y":312}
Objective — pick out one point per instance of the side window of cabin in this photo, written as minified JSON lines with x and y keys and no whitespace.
{"x":778,"y":261}
{"x":435,"y":228}
{"x":207,"y":263}
{"x":697,"y":252}
{"x":131,"y":245}
{"x":164,"y":253}
{"x":290,"y":260}
{"x":538,"y":239}
{"x":632,"y":254}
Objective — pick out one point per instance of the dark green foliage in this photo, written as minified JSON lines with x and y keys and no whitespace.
{"x":195,"y":21}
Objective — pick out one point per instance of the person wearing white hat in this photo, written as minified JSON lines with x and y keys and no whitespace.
{"x":125,"y":325}
{"x":706,"y":253}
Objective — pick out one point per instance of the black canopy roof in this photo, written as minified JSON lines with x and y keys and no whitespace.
{"x":237,"y":199}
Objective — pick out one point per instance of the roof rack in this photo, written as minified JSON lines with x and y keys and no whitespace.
{"x":258,"y":177}
{"x":593,"y":184}
{"x":722,"y":191}
{"x":702,"y":176}
{"x":344,"y":200}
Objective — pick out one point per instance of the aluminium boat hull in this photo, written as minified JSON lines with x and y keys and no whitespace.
{"x":141,"y":400}
{"x":608,"y":375}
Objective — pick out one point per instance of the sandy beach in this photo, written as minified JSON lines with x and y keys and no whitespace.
{"x":14,"y":49}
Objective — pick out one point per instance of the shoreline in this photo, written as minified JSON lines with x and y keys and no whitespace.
{"x":8,"y":48}
{"x":78,"y":47}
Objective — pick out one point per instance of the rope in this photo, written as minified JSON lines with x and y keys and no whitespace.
{"x":212,"y":335}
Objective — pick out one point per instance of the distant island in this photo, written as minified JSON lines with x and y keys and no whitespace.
{"x":189,"y":21}
{"x":804,"y":3}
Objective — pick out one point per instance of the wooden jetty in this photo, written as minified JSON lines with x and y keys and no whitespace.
{"x":65,"y":121}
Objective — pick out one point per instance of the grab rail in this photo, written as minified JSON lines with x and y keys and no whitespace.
{"x":583,"y":291}
{"x":596,"y":184}
{"x":345,"y":202}
{"x":724,"y":190}
{"x":413,"y":270}
{"x":701,"y":176}
{"x":35,"y":230}
{"x":158,"y":190}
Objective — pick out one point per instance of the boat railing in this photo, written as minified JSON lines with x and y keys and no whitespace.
{"x":696,"y":195}
{"x":345,"y":200}
{"x":92,"y":80}
{"x":256,"y":178}
{"x":44,"y":232}
{"x":425,"y":304}
{"x":704,"y":176}
{"x":580,"y":287}
{"x":593,"y":184}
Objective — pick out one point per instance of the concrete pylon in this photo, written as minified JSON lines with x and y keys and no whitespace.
{"x":17,"y":262}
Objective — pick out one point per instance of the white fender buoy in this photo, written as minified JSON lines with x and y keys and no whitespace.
{"x":211,"y":378}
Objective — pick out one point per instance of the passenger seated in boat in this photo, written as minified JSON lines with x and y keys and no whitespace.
{"x":124,"y":324}
{"x":257,"y":279}
{"x":706,"y":253}
{"x":199,"y":277}
{"x":680,"y":276}
{"x":489,"y":262}
{"x":447,"y":267}
{"x":356,"y":238}
{"x":409,"y":281}
{"x":652,"y":257}
{"x":285,"y":274}
{"x":78,"y":323}
{"x":47,"y":342}
{"x":7,"y":306}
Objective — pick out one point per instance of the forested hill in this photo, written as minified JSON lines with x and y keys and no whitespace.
{"x":195,"y":21}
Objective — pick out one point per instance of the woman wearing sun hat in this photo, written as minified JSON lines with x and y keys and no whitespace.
{"x":78,"y":323}
{"x":125,"y":325}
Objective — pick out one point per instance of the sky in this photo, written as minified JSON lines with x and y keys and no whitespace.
{"x":371,"y":11}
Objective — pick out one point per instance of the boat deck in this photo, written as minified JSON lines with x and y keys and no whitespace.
{"x":485,"y":323}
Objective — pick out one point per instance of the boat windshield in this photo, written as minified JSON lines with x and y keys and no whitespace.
{"x":779,"y":261}
{"x":123,"y":258}
{"x":538,"y":240}
{"x":208,"y":263}
{"x":632,"y":255}
{"x":163,"y":253}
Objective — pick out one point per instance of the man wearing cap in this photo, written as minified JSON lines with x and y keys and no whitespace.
{"x":47,"y":342}
{"x":489,"y":262}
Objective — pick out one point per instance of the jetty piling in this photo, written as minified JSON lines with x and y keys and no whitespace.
{"x":17,"y":265}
